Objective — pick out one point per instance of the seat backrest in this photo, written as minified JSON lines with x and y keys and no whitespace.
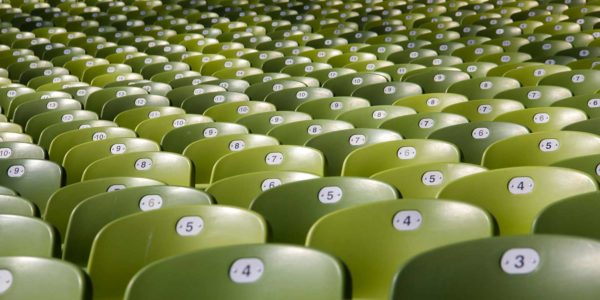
{"x":247,"y":272}
{"x":177,"y":139}
{"x":388,"y":228}
{"x":531,"y":267}
{"x":33,"y":179}
{"x":544,"y":118}
{"x":315,"y":198}
{"x":515,"y":196}
{"x":64,"y":200}
{"x":269,"y":158}
{"x":26,"y":236}
{"x":170,"y":168}
{"x":53,"y":279}
{"x":540,"y":148}
{"x":581,"y":211}
{"x":15,"y":205}
{"x":92,"y":214}
{"x":130,"y":243}
{"x":62,"y":143}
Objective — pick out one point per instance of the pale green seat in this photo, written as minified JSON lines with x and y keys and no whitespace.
{"x":475,"y":137}
{"x":95,"y":101}
{"x":580,"y":82}
{"x":589,"y":103}
{"x":430,"y":102}
{"x":422,"y":125}
{"x":521,"y":267}
{"x":436,"y":81}
{"x":538,"y":119}
{"x":192,"y":276}
{"x":541,"y":148}
{"x":483,"y":109}
{"x":170,"y":168}
{"x":33,"y":179}
{"x":66,"y":280}
{"x":532,"y":75}
{"x":133,"y":117}
{"x":332,"y":107}
{"x":132,"y":242}
{"x":536,"y":96}
{"x":233,"y":111}
{"x":9,"y":150}
{"x":26,"y":236}
{"x":291,"y":98}
{"x":337,"y":145}
{"x":263,"y":122}
{"x":113,"y":107}
{"x":346,"y":85}
{"x":425,"y":180}
{"x":198,"y":104}
{"x":15,"y":205}
{"x":62,"y":202}
{"x":298,"y":133}
{"x":155,"y":129}
{"x":374,"y":116}
{"x":587,"y":163}
{"x":95,"y":212}
{"x":79,"y":157}
{"x":269,"y":158}
{"x":483,"y":87}
{"x":179,"y":94}
{"x":205,"y":153}
{"x":376,"y":239}
{"x":240,"y":190}
{"x":387,"y":92}
{"x":315,"y":198}
{"x":378,"y":157}
{"x":54,"y":130}
{"x":62,"y":143}
{"x":177,"y":139}
{"x":515,"y":196}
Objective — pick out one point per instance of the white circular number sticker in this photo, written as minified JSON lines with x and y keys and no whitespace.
{"x":237,"y":145}
{"x":357,"y":140}
{"x":98,"y":136}
{"x":270,"y":183}
{"x":330,"y":194}
{"x":407,"y":220}
{"x":244,"y":109}
{"x":426,"y":123}
{"x":379,"y":114}
{"x":578,"y":78}
{"x":118,"y":148}
{"x":549,"y":145}
{"x":178,"y":123}
{"x":314,"y":129}
{"x":276,"y":120}
{"x":67,"y":118}
{"x":189,"y":226}
{"x":541,"y":118}
{"x":5,"y":152}
{"x":16,"y":171}
{"x":480,"y":133}
{"x":407,"y":152}
{"x":151,"y":202}
{"x":210,"y":132}
{"x":246,"y":270}
{"x":274,"y":158}
{"x":116,"y":187}
{"x":143,"y":164}
{"x":484,"y":109}
{"x":594,"y":103}
{"x":432,"y":178}
{"x":520,"y":261}
{"x":521,"y":185}
{"x":6,"y":280}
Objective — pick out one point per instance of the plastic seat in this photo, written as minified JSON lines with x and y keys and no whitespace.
{"x":374,"y":116}
{"x":291,"y":98}
{"x":263,"y":122}
{"x":15,"y":205}
{"x":425,"y":180}
{"x":375,"y":158}
{"x":515,"y":196}
{"x":430,"y":102}
{"x":544,"y":118}
{"x":326,"y":74}
{"x":436,"y":81}
{"x":545,"y":48}
{"x":113,"y":107}
{"x":29,"y":97}
{"x":521,"y":266}
{"x":532,"y":75}
{"x":331,"y":108}
{"x":20,"y":272}
{"x":483,"y":87}
{"x":345,"y":85}
{"x":373,"y":269}
{"x":336,"y":145}
{"x":9,"y":150}
{"x":317,"y":270}
{"x":543,"y":148}
{"x":62,"y":143}
{"x":298,"y":133}
{"x":55,"y":129}
{"x":178,"y":95}
{"x":91,"y":215}
{"x":155,"y":129}
{"x":79,"y":157}
{"x":387,"y":92}
{"x":33,"y":179}
{"x":96,"y":100}
{"x":587,"y":103}
{"x":92,"y":72}
{"x":329,"y":194}
{"x":26,"y":236}
{"x":26,"y":111}
{"x":483,"y":109}
{"x":260,"y":91}
{"x":153,"y":165}
{"x":233,"y":111}
{"x":131,"y":118}
{"x":578,"y":81}
{"x":536,"y":96}
{"x":421,"y":125}
{"x":269,"y":158}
